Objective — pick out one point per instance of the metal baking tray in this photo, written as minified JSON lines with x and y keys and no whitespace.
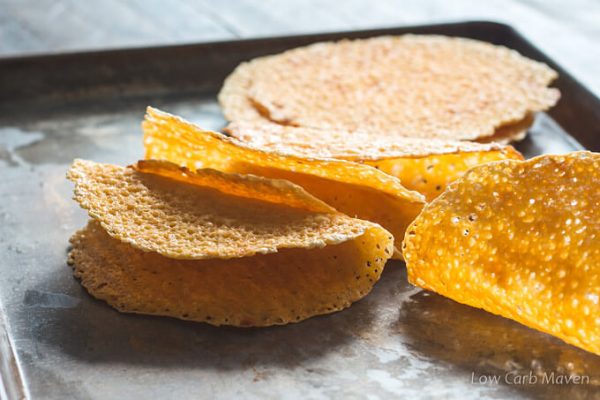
{"x":58,"y":342}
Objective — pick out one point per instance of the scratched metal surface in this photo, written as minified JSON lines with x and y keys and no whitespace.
{"x":399,"y":340}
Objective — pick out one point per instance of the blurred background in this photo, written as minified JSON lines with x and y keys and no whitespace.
{"x":568,"y":31}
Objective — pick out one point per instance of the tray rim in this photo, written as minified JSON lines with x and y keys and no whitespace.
{"x":12,"y":382}
{"x":248,"y":40}
{"x":10,"y":60}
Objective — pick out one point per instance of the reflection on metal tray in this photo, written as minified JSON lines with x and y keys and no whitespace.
{"x":58,"y":342}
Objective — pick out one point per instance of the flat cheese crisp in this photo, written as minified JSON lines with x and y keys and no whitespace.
{"x":518,"y":239}
{"x":218,"y":248}
{"x":349,"y":187}
{"x":423,"y":165}
{"x":412,"y":85}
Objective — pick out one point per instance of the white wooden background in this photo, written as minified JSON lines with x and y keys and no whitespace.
{"x":567,"y":30}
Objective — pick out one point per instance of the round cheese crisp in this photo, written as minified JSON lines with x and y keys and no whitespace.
{"x":519,"y":239}
{"x":218,"y":248}
{"x":410,"y":85}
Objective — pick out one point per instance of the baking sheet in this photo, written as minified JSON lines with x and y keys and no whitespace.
{"x":58,"y":342}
